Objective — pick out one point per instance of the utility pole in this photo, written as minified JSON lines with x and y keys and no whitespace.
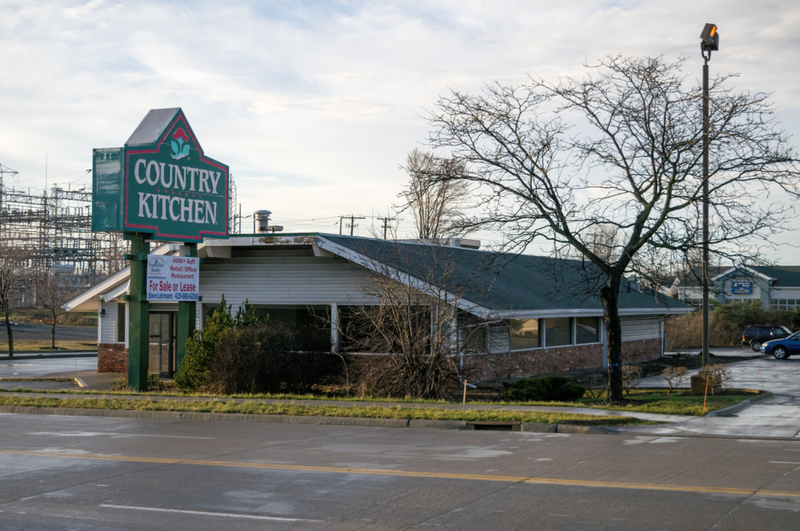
{"x":352,"y":219}
{"x":385,"y":224}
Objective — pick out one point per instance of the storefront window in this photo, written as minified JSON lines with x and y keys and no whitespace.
{"x":587,"y":330}
{"x":525,"y":334}
{"x":558,"y":332}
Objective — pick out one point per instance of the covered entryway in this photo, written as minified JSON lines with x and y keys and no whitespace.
{"x":162,"y":344}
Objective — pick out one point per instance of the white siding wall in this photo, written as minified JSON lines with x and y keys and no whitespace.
{"x":109,"y":328}
{"x":637,"y":328}
{"x":785,"y":293}
{"x":283,"y":277}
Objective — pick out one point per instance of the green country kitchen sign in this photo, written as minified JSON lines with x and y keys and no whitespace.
{"x":169,"y":188}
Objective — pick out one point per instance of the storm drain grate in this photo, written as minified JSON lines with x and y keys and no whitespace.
{"x":493,"y":425}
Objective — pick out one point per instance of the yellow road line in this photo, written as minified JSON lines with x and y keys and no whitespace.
{"x":412,"y":474}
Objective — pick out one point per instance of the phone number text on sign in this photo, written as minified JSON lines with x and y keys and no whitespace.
{"x":173,"y":278}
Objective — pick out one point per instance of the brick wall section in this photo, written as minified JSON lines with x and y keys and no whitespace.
{"x":490,"y":367}
{"x":522,"y":364}
{"x":112,"y":357}
{"x":634,"y":352}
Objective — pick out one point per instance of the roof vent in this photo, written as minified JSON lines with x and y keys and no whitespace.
{"x":465,"y":243}
{"x":261,"y":220}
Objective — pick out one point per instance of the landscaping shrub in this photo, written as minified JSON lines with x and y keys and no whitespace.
{"x":202,"y":347}
{"x":674,"y":376}
{"x":154,"y":383}
{"x":547,"y":389}
{"x":409,"y":375}
{"x":596,"y":386}
{"x":717,"y":375}
{"x":268,"y":358}
{"x":631,"y":375}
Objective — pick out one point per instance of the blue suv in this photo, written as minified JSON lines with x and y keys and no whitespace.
{"x":782,"y":348}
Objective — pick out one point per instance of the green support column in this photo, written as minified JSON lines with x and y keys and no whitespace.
{"x":139,"y":332}
{"x":187,"y":317}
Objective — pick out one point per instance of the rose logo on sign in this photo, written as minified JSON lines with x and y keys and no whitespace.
{"x":180,"y":146}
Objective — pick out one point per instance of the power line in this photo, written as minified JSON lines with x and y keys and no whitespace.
{"x":352,"y":222}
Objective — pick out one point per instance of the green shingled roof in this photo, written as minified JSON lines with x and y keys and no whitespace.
{"x":502,"y":282}
{"x":785,"y":276}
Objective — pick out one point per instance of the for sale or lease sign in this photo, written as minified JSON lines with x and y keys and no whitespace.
{"x":173,"y":278}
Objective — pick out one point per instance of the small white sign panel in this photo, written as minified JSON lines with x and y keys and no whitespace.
{"x":173,"y":278}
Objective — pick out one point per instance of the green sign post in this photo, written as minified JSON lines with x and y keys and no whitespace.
{"x":159,"y":186}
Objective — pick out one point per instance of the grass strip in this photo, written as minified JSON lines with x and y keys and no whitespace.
{"x":678,"y":405}
{"x":260,"y":408}
{"x":22,"y":346}
{"x":646,"y":400}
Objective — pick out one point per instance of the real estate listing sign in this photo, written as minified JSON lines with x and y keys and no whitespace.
{"x":172,"y":190}
{"x":173,"y":278}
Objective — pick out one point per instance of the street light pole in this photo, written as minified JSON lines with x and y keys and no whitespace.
{"x":709,"y":43}
{"x":706,"y":341}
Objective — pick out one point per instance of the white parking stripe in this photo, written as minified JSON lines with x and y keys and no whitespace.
{"x":205,"y":513}
{"x":112,"y":434}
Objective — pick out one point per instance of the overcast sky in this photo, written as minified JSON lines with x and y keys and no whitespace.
{"x":314,"y":105}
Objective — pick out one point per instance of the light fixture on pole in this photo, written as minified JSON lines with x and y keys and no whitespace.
{"x":709,"y":41}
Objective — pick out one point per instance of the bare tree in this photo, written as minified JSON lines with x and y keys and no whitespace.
{"x":54,"y":292}
{"x":621,"y":148}
{"x":603,"y":241}
{"x":435,"y":194}
{"x":413,"y":323}
{"x":12,"y":262}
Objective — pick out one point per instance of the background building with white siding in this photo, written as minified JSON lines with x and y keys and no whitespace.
{"x":511,"y":315}
{"x":774,"y":288}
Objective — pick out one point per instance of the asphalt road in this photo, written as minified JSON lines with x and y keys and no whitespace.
{"x":86,"y":473}
{"x":41,"y":332}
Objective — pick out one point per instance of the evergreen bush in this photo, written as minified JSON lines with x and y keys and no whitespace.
{"x":546,"y":389}
{"x":202,"y":347}
{"x":268,"y":358}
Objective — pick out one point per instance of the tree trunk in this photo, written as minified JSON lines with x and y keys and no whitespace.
{"x":53,"y":333}
{"x":609,"y":295}
{"x":9,"y":334}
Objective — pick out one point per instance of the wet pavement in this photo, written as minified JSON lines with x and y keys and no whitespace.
{"x":41,"y":332}
{"x":40,"y":385}
{"x":778,"y":416}
{"x":41,"y":366}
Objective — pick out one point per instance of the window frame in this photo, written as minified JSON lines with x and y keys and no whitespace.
{"x":543,"y":333}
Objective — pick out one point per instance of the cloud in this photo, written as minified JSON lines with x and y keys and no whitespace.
{"x":334,"y":93}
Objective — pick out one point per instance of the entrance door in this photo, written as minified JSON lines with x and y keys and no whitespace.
{"x":162,"y":344}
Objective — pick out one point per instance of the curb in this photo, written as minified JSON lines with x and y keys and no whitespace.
{"x":437,"y":424}
{"x":744,"y":404}
{"x":530,"y":427}
{"x":196,"y":416}
{"x":571,"y":428}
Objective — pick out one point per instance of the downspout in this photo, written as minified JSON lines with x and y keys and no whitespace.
{"x":604,"y":339}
